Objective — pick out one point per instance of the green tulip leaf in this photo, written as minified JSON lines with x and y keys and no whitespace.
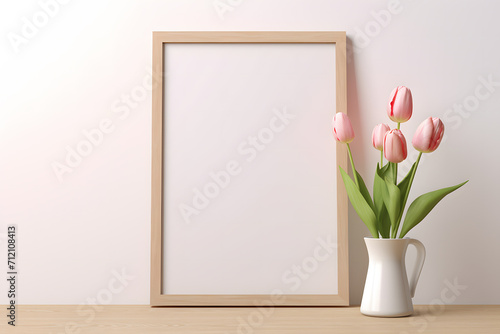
{"x":364,"y":191}
{"x":379,"y":191}
{"x":393,"y":203}
{"x":391,"y":196}
{"x":405,"y":183}
{"x":359,"y":204}
{"x":384,"y":223}
{"x":390,"y":173}
{"x":404,"y":187}
{"x":384,"y":168}
{"x":422,"y":205}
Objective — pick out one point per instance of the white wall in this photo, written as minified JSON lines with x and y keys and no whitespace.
{"x":67,"y":76}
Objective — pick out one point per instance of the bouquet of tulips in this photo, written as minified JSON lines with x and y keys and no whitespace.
{"x":384,"y":213}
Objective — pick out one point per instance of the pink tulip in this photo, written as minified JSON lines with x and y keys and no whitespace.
{"x":428,"y":135}
{"x":378,"y":136}
{"x":395,"y":146}
{"x":342,"y":128}
{"x":400,"y":105}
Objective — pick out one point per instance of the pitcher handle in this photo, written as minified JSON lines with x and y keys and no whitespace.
{"x":419,"y":263}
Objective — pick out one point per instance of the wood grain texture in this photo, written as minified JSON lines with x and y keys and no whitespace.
{"x":157,"y":297}
{"x":249,"y":300}
{"x":124,"y":319}
{"x":249,"y":36}
{"x":156,"y":171}
{"x":341,"y":156}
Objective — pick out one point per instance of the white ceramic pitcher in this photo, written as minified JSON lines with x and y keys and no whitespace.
{"x":387,"y":290}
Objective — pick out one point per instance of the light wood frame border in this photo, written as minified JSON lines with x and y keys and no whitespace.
{"x":159,"y":39}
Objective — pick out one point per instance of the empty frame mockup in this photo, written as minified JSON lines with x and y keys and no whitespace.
{"x":248,"y":206}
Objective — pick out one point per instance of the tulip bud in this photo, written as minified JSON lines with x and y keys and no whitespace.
{"x":395,"y":146}
{"x":400,"y":105}
{"x":428,"y":135}
{"x":342,"y":128}
{"x":378,"y":136}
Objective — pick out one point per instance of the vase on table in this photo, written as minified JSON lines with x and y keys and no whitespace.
{"x":388,"y":293}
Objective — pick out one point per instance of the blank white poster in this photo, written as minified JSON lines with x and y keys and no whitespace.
{"x":249,"y":169}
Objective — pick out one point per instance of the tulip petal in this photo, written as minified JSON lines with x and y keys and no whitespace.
{"x":395,"y":146}
{"x":391,"y":102}
{"x":400,"y":106}
{"x":428,"y":135}
{"x":378,"y":135}
{"x":342,"y":128}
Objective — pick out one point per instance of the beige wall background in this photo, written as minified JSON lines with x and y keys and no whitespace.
{"x":79,"y":71}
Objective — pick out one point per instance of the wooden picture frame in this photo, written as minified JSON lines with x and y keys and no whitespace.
{"x":225,"y":294}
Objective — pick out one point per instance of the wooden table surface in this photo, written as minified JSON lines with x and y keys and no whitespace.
{"x":125,"y":319}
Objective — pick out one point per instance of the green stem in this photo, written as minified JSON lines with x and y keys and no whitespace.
{"x":352,"y":166}
{"x":412,"y":176}
{"x":381,"y":158}
{"x":396,"y":174}
{"x":396,"y":166}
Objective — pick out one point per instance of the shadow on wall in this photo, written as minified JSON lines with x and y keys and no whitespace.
{"x":358,"y":257}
